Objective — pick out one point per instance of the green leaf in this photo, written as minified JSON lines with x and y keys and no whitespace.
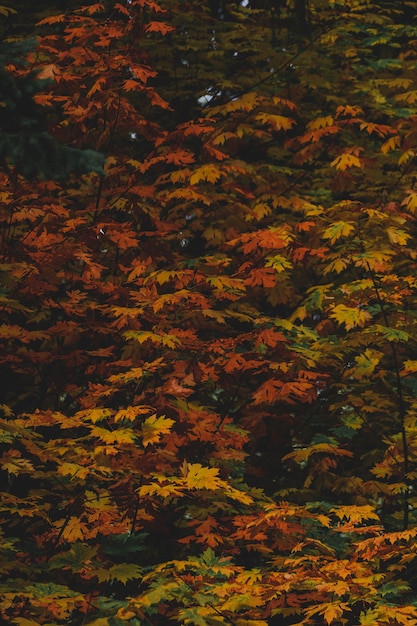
{"x":124,"y":545}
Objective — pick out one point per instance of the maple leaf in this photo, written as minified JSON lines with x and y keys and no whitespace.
{"x":410,"y":97}
{"x":72,"y":469}
{"x":131,"y":412}
{"x":97,"y":7}
{"x":94,"y":415}
{"x":356,"y":514}
{"x":331,"y":611}
{"x":337,"y":230}
{"x":398,"y":236}
{"x":366,"y":363}
{"x":52,"y":19}
{"x":393,"y":143}
{"x":159,"y":27}
{"x":154,"y":427}
{"x":123,"y":572}
{"x":278,"y":122}
{"x":181,"y":157}
{"x":410,"y":201}
{"x":273,"y":390}
{"x":349,"y":110}
{"x":119,"y":436}
{"x":279,"y":263}
{"x":241,"y":601}
{"x":123,"y":238}
{"x":382,"y":130}
{"x":272,"y":238}
{"x":73,"y":529}
{"x":350,"y":316}
{"x":14,"y":464}
{"x":226,"y":283}
{"x":7,"y":411}
{"x":209,"y":173}
{"x":262,"y":276}
{"x":206,"y":531}
{"x":345,"y":161}
{"x":234,"y":335}
{"x":199,"y":477}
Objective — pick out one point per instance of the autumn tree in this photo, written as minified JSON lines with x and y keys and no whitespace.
{"x":208,"y":349}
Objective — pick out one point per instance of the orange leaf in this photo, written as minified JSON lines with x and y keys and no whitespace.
{"x":159,"y":27}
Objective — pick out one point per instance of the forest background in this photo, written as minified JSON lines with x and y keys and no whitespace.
{"x":208,"y":313}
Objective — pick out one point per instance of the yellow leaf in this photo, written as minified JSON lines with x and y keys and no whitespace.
{"x":300,"y":455}
{"x":135,"y":373}
{"x":247,"y":102}
{"x":94,"y":415}
{"x":365,"y":364}
{"x":130,"y":413}
{"x":410,"y":97}
{"x":336,"y":264}
{"x":199,"y":477}
{"x":278,"y":122}
{"x":398,"y":236}
{"x":216,"y":315}
{"x":391,"y":144}
{"x":370,"y":618}
{"x":410,"y":201}
{"x":140,"y":335}
{"x":237,"y":602}
{"x":72,"y":469}
{"x":337,"y":230}
{"x":249,"y":576}
{"x":410,"y":367}
{"x":7,"y":11}
{"x":331,"y":611}
{"x":8,"y":412}
{"x":226,"y":283}
{"x":166,"y":489}
{"x":122,"y":435}
{"x":376,"y":260}
{"x":13,"y":463}
{"x":163,"y":276}
{"x":171,"y":341}
{"x":157,"y":594}
{"x":209,"y":173}
{"x":355,"y":514}
{"x":99,"y":502}
{"x":74,"y":529}
{"x":343,"y":161}
{"x":350,"y":316}
{"x":334,"y":611}
{"x":153,"y":427}
{"x":124,"y":615}
{"x":320,"y":122}
{"x":279,"y":263}
{"x":406,"y":156}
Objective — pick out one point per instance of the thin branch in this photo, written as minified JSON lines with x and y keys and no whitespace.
{"x":400,"y":395}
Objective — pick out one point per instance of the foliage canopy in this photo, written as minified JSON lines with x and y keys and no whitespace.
{"x":209,"y":347}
